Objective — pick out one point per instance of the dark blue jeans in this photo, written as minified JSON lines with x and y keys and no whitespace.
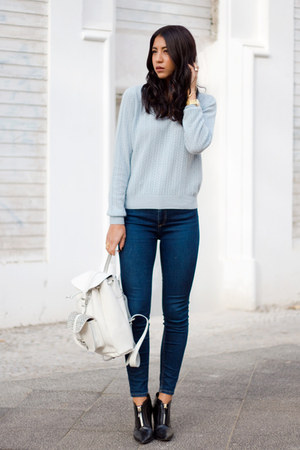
{"x":178,"y":232}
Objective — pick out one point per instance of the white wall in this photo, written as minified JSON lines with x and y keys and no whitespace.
{"x":277,"y":255}
{"x":34,"y":292}
{"x":261,"y":261}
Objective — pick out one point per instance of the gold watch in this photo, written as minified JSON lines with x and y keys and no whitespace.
{"x":193,"y":102}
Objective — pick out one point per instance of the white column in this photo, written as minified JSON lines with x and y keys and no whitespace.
{"x":247,"y":37}
{"x":99,"y":25}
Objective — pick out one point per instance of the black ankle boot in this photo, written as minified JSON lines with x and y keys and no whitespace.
{"x":162,"y":425}
{"x":143,"y":424}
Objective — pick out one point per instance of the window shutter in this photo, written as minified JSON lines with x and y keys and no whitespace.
{"x":23,"y":129}
{"x":199,"y":16}
{"x":296,"y":165}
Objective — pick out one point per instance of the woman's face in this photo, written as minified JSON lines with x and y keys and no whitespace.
{"x":162,"y":62}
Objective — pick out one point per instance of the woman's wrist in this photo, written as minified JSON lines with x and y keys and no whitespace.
{"x":116,"y":220}
{"x":192,"y":94}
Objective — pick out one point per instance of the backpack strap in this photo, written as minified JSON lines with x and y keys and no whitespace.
{"x":133,"y":358}
{"x":107,"y":263}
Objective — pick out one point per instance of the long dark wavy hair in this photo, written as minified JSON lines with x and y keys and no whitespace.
{"x":168,"y":99}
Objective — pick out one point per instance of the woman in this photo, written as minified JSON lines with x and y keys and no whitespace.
{"x":163,"y":127}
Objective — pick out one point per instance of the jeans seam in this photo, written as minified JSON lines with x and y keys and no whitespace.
{"x":133,"y":394}
{"x":162,"y":359}
{"x":166,"y":391}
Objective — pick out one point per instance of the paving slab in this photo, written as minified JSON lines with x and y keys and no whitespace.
{"x":215,"y":383}
{"x":95,"y":440}
{"x":96,"y":380}
{"x":4,"y":411}
{"x":32,"y":439}
{"x":109,"y":412}
{"x":12,"y":394}
{"x":68,"y":400}
{"x":270,"y":417}
{"x":35,"y":428}
{"x":274,"y":378}
{"x":268,"y":424}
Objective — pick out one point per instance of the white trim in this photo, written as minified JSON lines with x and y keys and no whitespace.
{"x":89,"y":34}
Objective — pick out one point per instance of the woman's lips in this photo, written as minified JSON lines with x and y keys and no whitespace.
{"x":159,"y":69}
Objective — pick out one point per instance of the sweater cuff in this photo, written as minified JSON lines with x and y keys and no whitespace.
{"x":117,"y":220}
{"x":192,"y":106}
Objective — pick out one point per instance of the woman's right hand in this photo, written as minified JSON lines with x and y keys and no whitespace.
{"x":116,"y":235}
{"x":193,"y":86}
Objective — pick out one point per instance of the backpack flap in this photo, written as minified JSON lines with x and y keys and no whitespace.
{"x":89,"y":280}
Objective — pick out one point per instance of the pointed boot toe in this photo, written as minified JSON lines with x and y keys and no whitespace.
{"x":143,"y":432}
{"x":162,"y":420}
{"x":143,"y":435}
{"x":163,"y":433}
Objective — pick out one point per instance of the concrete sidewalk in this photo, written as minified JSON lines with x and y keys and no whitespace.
{"x":239,"y":387}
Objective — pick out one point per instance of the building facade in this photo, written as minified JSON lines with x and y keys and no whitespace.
{"x":64,"y":67}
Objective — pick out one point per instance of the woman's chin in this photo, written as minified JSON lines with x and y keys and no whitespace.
{"x":162,"y":76}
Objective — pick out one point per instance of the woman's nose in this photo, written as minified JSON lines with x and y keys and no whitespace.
{"x":159,"y":56}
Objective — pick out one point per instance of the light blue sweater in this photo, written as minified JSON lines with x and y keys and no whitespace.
{"x":157,"y":161}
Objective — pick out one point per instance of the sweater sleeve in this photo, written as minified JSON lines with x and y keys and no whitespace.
{"x":198,"y":124}
{"x":122,"y":159}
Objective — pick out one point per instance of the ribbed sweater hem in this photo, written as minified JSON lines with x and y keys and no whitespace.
{"x":161,"y":202}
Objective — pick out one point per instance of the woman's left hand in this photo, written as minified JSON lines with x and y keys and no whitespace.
{"x":194,"y":75}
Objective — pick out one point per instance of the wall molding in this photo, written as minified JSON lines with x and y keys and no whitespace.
{"x":91,"y":34}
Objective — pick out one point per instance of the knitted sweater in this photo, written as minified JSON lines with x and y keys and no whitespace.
{"x":157,"y":162}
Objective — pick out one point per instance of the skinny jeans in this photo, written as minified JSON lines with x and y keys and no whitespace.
{"x":178,"y":232}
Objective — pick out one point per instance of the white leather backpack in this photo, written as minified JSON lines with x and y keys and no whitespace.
{"x":102,"y":322}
